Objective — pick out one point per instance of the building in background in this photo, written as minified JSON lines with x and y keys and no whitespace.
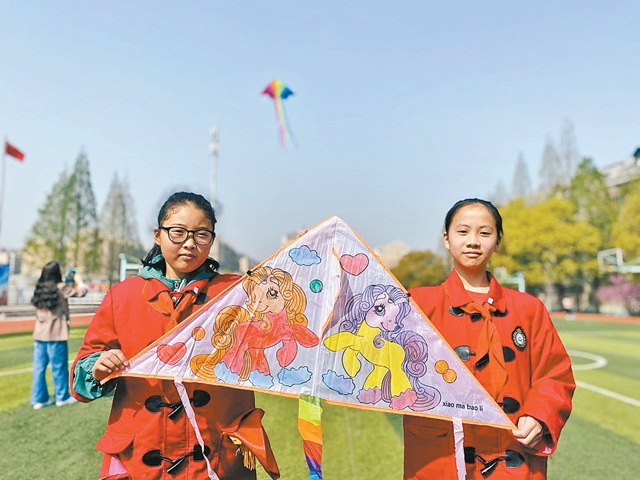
{"x":620,"y":173}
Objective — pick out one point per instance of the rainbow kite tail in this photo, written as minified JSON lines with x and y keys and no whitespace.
{"x":281,"y":123}
{"x":288,"y":128}
{"x":310,"y":428}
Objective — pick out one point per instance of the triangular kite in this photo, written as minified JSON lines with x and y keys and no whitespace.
{"x":323,"y":319}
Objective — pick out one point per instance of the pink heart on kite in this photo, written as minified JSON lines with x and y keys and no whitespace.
{"x":171,"y":354}
{"x":354,"y":264}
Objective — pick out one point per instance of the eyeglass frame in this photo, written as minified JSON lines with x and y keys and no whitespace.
{"x":192,"y":232}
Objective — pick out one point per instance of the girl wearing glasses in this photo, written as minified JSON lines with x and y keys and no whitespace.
{"x":508,"y":341}
{"x":148,"y":434}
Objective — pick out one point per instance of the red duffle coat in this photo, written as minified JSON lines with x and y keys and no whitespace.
{"x":133,"y":314}
{"x":539,"y":378}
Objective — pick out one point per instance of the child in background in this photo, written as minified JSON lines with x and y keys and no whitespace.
{"x":51,"y":336}
{"x":509,"y":342}
{"x":149,"y":435}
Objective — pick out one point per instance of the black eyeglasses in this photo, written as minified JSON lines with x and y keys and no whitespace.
{"x":154,"y":403}
{"x":512,"y":459}
{"x":154,"y":458}
{"x":201,"y":236}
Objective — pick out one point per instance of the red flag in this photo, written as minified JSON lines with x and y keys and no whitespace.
{"x":13,"y":151}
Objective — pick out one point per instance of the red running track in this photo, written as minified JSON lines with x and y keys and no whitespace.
{"x":26,"y":324}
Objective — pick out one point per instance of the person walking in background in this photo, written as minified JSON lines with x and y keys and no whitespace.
{"x":70,"y":278}
{"x":509,"y":343}
{"x":149,"y":434}
{"x":51,"y":336}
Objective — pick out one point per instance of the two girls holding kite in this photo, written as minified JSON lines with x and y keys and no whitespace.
{"x":148,"y":434}
{"x":505,"y":337}
{"x":509,"y":342}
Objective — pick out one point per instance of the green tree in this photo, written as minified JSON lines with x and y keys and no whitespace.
{"x":626,"y":229}
{"x":48,"y":237}
{"x":119,"y":228}
{"x":591,"y":200}
{"x":420,"y":268}
{"x":545,"y":242}
{"x":84,"y":235}
{"x":66,"y":229}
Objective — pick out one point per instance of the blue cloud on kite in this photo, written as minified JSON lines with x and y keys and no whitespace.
{"x":338,"y":383}
{"x":260,"y":379}
{"x":304,"y":256}
{"x":294,"y":376}
{"x":225,"y":374}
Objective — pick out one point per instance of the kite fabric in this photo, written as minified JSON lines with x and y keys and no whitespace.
{"x":323,"y":318}
{"x":279,"y":92}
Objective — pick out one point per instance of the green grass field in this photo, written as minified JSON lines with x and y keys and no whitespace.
{"x":601,"y":440}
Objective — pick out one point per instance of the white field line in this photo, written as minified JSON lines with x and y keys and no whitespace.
{"x":22,"y":370}
{"x":608,"y":393}
{"x":598,"y":361}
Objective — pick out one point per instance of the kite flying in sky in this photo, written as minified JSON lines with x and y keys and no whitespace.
{"x":279,"y":92}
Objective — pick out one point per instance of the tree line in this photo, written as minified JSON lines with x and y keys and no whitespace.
{"x":70,"y":230}
{"x":554,"y":234}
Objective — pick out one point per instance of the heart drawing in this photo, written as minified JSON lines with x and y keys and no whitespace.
{"x":354,"y":264}
{"x":171,"y":354}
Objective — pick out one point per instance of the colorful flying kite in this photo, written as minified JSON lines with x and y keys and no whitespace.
{"x":325,"y":321}
{"x":279,"y":92}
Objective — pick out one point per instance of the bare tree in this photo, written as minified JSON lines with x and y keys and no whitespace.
{"x":119,"y":227}
{"x":568,"y":150}
{"x":551,"y":168}
{"x":521,"y":186}
{"x":499,"y":196}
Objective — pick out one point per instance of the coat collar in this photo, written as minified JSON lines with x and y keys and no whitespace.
{"x":459,"y":296}
{"x":159,"y":296}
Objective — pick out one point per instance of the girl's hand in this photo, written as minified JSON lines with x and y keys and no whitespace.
{"x":529,"y":432}
{"x":108,"y":362}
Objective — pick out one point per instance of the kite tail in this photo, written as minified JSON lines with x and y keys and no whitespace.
{"x":310,"y":428}
{"x":281,"y":123}
{"x":288,"y":128}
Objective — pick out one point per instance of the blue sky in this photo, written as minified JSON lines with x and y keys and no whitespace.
{"x":400,"y":108}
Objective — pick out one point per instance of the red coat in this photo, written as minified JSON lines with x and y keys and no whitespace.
{"x":133,"y":314}
{"x":538,"y":378}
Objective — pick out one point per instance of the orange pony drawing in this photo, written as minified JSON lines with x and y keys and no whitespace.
{"x":274,"y":314}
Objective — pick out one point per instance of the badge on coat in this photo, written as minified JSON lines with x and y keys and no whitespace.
{"x":519,"y":338}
